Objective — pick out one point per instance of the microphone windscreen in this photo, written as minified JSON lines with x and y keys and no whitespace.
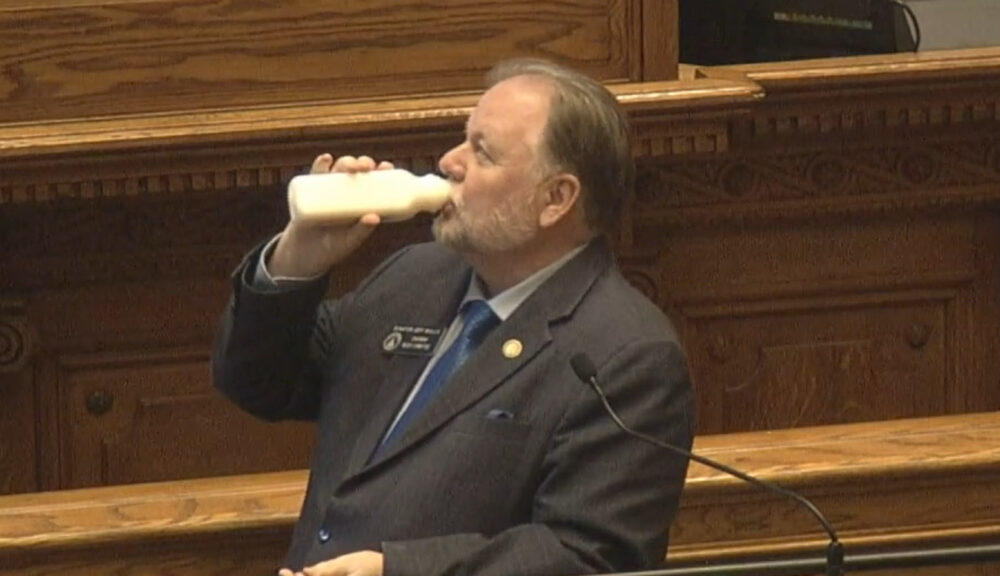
{"x":583,"y":367}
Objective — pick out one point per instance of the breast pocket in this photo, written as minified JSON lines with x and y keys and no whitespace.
{"x":495,"y":425}
{"x":489,"y":464}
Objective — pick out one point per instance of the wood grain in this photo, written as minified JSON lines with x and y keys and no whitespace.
{"x":279,"y":125}
{"x":64,"y":60}
{"x":660,"y":47}
{"x":136,"y":437}
{"x":830,"y":247}
{"x":911,"y":483}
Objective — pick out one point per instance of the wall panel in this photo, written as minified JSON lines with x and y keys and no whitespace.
{"x":826,"y":236}
{"x":65,"y":60}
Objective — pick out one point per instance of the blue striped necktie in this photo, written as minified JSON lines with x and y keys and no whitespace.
{"x":477,"y":320}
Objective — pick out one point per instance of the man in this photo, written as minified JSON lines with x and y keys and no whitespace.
{"x":507,"y":464}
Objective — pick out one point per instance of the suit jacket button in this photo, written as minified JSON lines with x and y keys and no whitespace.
{"x":324,"y":535}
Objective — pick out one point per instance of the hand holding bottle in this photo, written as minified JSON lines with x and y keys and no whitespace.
{"x":310,"y":247}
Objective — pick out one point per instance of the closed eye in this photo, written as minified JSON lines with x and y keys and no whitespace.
{"x":479,"y":150}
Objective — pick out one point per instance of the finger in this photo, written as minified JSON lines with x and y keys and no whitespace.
{"x":285,"y":572}
{"x":357,"y":234}
{"x":321,"y":164}
{"x":328,"y":568}
{"x":345,"y":164}
{"x":365,"y":163}
{"x":385,"y":165}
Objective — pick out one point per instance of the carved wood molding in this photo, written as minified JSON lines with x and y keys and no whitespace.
{"x":874,"y":114}
{"x":221,"y":151}
{"x":863,"y":178}
{"x":155,"y":238}
{"x":16,"y":339}
{"x":115,"y":240}
{"x":156,"y":183}
{"x":240,"y":149}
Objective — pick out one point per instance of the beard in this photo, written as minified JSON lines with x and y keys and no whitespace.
{"x":509,"y":225}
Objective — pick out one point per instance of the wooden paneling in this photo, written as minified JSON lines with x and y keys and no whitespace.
{"x":65,"y":60}
{"x":827,"y":237}
{"x":18,"y":419}
{"x":832,"y":322}
{"x":660,"y":47}
{"x":782,"y":364}
{"x":836,"y":260}
{"x":903,"y":485}
{"x":120,"y":420}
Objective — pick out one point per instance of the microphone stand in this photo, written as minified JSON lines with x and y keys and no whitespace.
{"x":852,"y":562}
{"x":834,"y":563}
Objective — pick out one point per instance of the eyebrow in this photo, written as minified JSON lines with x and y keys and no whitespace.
{"x":479,"y":139}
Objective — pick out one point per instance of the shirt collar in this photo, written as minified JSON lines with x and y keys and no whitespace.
{"x":505,"y":303}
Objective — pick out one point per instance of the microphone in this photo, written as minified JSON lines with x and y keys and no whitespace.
{"x":585,"y":370}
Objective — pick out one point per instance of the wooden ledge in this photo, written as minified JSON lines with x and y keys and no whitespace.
{"x":725,"y":113}
{"x":804,"y":456}
{"x":713,"y":87}
{"x":914,"y":482}
{"x":144,"y":512}
{"x":903,"y":68}
{"x":320,"y":120}
{"x":918,"y":482}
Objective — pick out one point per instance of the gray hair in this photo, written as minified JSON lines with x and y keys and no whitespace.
{"x":587,"y":135}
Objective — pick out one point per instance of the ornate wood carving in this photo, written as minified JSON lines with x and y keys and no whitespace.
{"x":812,"y":228}
{"x":17,"y":398}
{"x":15,"y":336}
{"x":778,"y":364}
{"x":842,"y":180}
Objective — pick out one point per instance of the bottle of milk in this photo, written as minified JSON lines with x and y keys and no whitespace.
{"x":342,"y":198}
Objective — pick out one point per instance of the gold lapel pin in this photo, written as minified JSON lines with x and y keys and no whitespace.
{"x":512,"y":348}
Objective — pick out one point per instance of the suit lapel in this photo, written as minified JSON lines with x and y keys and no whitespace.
{"x":488,"y":367}
{"x":403,"y":371}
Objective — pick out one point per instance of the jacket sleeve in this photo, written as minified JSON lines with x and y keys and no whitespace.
{"x":270,"y":345}
{"x":267,"y":343}
{"x":605,"y":500}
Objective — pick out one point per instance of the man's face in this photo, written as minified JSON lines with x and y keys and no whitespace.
{"x":497,"y":170}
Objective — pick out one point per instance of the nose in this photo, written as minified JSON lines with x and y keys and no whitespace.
{"x":451,"y":164}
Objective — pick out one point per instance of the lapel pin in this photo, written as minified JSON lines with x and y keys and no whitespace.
{"x":512,"y":348}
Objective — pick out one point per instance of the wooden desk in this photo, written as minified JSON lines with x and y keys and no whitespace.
{"x":912,"y":483}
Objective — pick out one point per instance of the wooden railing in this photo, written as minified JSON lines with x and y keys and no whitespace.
{"x":910,"y":483}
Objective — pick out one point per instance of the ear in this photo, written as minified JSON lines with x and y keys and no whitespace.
{"x":562,"y":194}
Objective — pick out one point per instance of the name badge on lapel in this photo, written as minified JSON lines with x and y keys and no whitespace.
{"x":411,"y":340}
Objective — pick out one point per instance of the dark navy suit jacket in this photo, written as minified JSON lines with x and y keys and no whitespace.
{"x":514,"y":468}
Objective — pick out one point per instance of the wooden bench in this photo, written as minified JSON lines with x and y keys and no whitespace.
{"x":914,"y":483}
